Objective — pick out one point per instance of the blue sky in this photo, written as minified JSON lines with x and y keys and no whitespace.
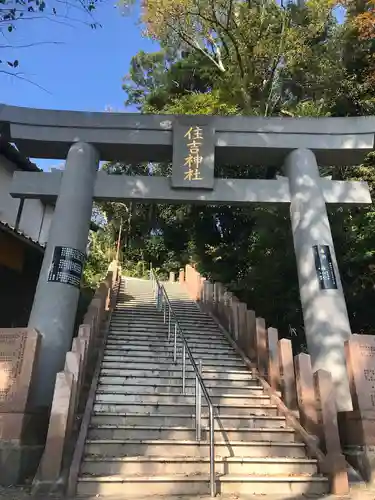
{"x":83,"y":71}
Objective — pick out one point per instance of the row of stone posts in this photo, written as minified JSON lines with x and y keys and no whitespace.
{"x":80,"y":365}
{"x":309,"y":397}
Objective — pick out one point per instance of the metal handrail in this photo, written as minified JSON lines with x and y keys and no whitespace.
{"x":162,"y":300}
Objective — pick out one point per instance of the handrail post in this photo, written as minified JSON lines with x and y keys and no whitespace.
{"x":162,"y":303}
{"x":169,"y":320}
{"x":212,"y":452}
{"x":183,"y":368}
{"x":175,"y":344}
{"x":198,"y":405}
{"x":197,"y":437}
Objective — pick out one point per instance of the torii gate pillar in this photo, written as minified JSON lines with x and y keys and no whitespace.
{"x":55,"y":302}
{"x":323,"y":303}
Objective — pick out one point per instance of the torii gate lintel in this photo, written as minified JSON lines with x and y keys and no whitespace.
{"x":46,"y":187}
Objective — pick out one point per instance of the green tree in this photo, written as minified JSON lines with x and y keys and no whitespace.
{"x":261,"y":51}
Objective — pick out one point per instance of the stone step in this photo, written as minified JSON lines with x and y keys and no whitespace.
{"x":155,"y":362}
{"x":140,"y":295}
{"x":167,"y":353}
{"x":185,"y":306}
{"x":145,"y":319}
{"x":149,"y":312}
{"x":148,"y":319}
{"x":146,"y":296}
{"x":123,"y":354}
{"x":136,"y":340}
{"x":140,"y":326}
{"x":158,"y":388}
{"x":184,"y":302}
{"x":199,"y":331}
{"x":136,"y":296}
{"x":204,"y":337}
{"x":149,"y":303}
{"x":239,"y":422}
{"x":148,"y":465}
{"x":144,"y":303}
{"x":188,"y":434}
{"x":133,"y":294}
{"x":163,"y":345}
{"x":128,"y":346}
{"x":126,"y":448}
{"x":128,"y":336}
{"x":178,"y":303}
{"x":194,"y":314}
{"x":176,"y":382}
{"x":140,"y":287}
{"x":224,"y":399}
{"x":150,"y":336}
{"x":184,"y":408}
{"x":146,"y":300}
{"x":149,"y":486}
{"x":140,"y":340}
{"x":207,"y":374}
{"x":143,"y":365}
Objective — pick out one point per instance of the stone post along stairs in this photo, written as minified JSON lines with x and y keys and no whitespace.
{"x":142,"y":437}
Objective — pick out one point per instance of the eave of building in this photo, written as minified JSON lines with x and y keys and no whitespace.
{"x":12,"y":154}
{"x":4,"y":226}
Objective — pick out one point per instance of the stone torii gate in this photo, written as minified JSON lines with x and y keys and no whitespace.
{"x":194,"y":144}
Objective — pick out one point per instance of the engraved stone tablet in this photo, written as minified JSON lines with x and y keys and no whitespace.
{"x":18,"y":349}
{"x":360,"y":359}
{"x":324,"y":267}
{"x":193,"y":153}
{"x":67,"y":266}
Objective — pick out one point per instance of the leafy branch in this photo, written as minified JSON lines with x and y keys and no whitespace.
{"x":14,"y":12}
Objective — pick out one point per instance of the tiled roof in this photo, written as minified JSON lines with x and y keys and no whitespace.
{"x":12,"y":154}
{"x":21,"y":235}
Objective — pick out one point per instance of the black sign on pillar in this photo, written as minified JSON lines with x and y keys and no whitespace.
{"x":324,"y":267}
{"x":193,"y":153}
{"x":67,"y":266}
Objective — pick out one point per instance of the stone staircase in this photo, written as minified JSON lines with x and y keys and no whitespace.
{"x":142,"y":437}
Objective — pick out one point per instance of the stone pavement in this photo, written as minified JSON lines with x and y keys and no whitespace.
{"x":359,"y":492}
